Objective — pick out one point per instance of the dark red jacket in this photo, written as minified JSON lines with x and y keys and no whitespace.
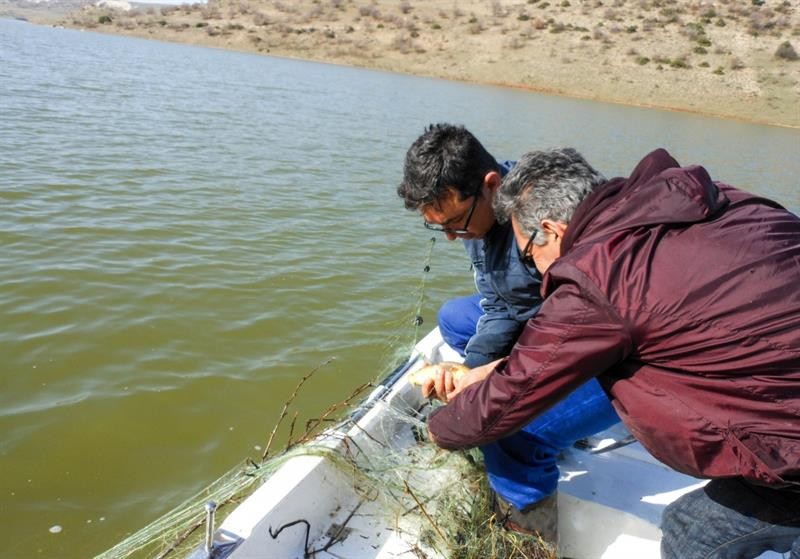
{"x":682,"y":296}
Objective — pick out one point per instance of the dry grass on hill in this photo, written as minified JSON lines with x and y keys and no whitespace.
{"x":732,"y":58}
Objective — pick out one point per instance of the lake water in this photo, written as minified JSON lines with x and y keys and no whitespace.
{"x":185,"y":232}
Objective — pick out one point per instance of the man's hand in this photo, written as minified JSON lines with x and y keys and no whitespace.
{"x":431,"y":437}
{"x":444,"y":385}
{"x":440,"y":384}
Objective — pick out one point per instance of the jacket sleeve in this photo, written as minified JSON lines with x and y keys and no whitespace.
{"x":495,"y":333}
{"x":507,"y":300}
{"x":576,"y":335}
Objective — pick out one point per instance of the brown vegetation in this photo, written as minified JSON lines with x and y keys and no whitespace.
{"x":727,"y":57}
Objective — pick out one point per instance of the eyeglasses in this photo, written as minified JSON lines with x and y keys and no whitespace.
{"x":463,"y":230}
{"x":524,"y":256}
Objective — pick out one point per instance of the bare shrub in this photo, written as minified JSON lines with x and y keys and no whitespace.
{"x":785,"y":7}
{"x":498,"y":10}
{"x":314,"y":13}
{"x":285,"y":8}
{"x":405,"y":7}
{"x":515,"y":43}
{"x":406,"y":45}
{"x":369,"y":11}
{"x":476,"y":28}
{"x":760,"y":21}
{"x":786,"y":51}
{"x":736,"y":63}
{"x":397,"y":21}
{"x":210,"y":13}
{"x":693,"y":31}
{"x":284,"y":29}
{"x":599,"y":34}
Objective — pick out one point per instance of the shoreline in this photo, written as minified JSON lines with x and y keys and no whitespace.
{"x":716,"y":59}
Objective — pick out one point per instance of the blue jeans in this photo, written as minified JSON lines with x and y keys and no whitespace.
{"x":731,"y":519}
{"x":522,"y":468}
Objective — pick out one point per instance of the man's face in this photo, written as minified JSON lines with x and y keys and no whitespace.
{"x":543,"y":255}
{"x":470,"y":218}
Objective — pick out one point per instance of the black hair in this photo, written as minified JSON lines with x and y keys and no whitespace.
{"x":444,"y":156}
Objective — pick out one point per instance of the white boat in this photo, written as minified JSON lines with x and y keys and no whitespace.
{"x":611,"y":491}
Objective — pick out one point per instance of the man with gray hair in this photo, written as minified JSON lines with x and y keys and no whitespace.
{"x":679,"y":294}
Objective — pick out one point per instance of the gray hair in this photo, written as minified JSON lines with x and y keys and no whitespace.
{"x":545,"y":185}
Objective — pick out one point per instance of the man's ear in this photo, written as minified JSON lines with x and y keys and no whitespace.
{"x":492,"y":180}
{"x":556,"y":228}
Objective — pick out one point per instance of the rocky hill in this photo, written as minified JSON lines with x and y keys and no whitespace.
{"x":732,"y":58}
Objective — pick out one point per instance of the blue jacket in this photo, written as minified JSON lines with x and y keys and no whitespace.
{"x":509,"y":292}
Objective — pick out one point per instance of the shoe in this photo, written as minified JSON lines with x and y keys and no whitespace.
{"x":539,"y":519}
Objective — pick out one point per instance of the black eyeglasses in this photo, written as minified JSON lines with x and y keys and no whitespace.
{"x":463,"y":230}
{"x":524,"y":256}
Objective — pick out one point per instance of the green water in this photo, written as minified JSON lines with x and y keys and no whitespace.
{"x":185,"y":232}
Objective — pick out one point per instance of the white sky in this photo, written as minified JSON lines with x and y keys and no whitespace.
{"x":165,"y":2}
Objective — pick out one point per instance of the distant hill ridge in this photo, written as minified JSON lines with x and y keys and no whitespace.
{"x":730,"y":58}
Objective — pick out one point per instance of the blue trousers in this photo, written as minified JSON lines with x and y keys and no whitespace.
{"x":522,"y":468}
{"x":731,"y":519}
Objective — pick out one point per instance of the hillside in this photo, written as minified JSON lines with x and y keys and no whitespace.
{"x":736,"y":59}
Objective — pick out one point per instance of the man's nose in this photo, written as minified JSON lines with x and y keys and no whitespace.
{"x":450,"y":236}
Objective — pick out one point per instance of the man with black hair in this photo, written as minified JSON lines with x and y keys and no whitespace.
{"x":451,"y":179}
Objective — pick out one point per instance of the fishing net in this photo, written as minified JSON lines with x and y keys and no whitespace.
{"x":441,"y":498}
{"x":438,"y":500}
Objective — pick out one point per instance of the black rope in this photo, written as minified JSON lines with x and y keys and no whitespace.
{"x":277,"y":533}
